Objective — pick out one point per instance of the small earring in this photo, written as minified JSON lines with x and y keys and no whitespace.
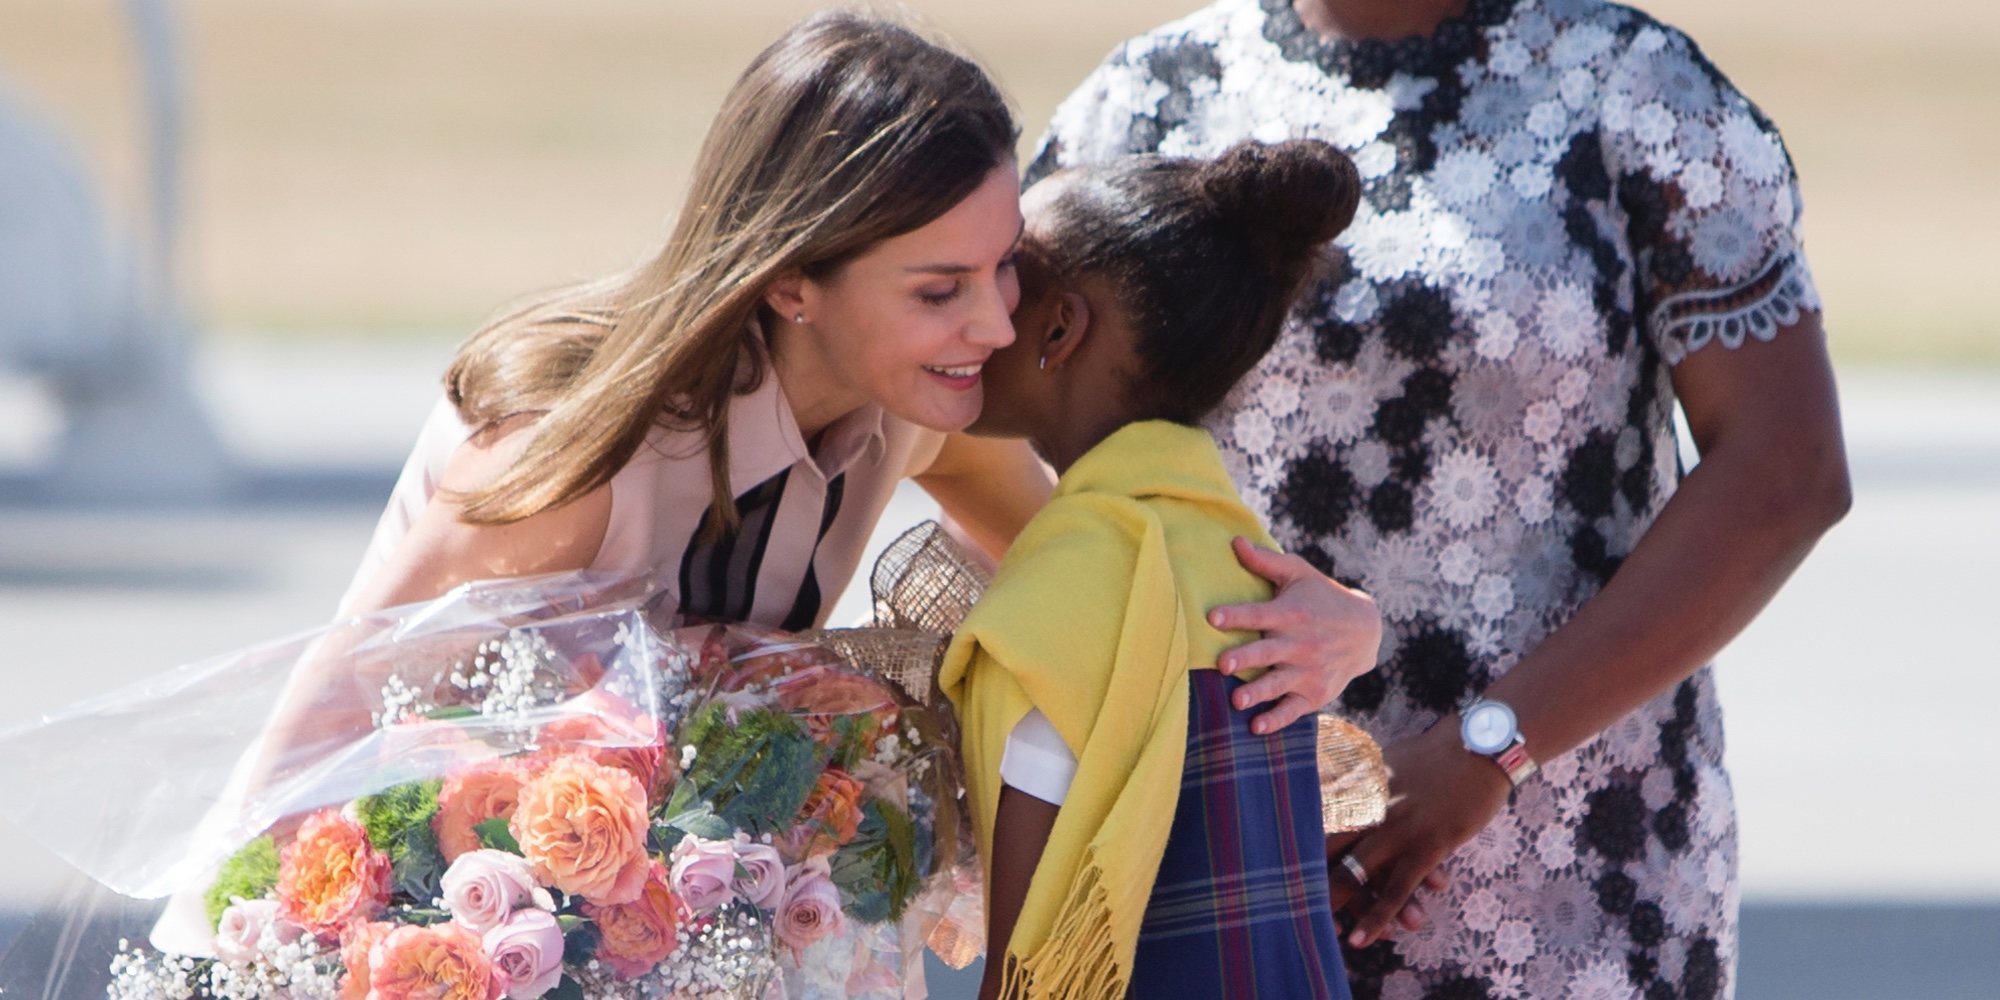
{"x":799,"y":318}
{"x":1043,"y":364}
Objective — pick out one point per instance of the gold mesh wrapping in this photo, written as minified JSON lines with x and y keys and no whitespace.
{"x":1353,"y":780}
{"x":904,"y":657}
{"x":924,"y":581}
{"x":923,"y":586}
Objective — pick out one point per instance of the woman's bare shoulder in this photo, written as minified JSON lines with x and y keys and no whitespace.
{"x":443,"y":550}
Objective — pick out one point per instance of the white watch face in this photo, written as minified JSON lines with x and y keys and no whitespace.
{"x":1488,"y":728}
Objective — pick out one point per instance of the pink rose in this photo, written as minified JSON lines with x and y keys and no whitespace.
{"x":760,"y":874}
{"x":483,"y":887}
{"x":527,"y":953}
{"x":812,"y":904}
{"x":704,"y":873}
{"x":243,"y":926}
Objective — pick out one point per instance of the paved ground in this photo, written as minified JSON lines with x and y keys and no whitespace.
{"x":1858,"y":705}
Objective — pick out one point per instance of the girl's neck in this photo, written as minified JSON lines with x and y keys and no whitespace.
{"x":1062,"y":446}
{"x":1386,"y":20}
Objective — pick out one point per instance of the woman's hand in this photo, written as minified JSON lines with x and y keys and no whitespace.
{"x":1440,"y":796}
{"x":1318,"y":636}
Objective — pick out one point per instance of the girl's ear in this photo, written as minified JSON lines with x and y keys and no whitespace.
{"x":786,"y":296}
{"x":1069,"y":326}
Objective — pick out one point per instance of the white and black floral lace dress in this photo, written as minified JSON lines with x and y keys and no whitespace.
{"x":1472,"y":419}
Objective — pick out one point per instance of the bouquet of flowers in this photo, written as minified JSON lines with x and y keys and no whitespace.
{"x":533,"y":789}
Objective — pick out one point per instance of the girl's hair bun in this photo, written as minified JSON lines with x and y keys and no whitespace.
{"x":1207,"y":257}
{"x":1283,"y":200}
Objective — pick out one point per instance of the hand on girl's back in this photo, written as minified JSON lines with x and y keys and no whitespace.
{"x":1318,"y":636}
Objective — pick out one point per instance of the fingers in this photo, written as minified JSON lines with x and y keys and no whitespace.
{"x":1289,"y":709}
{"x":1413,"y":916}
{"x":1342,"y":889}
{"x":1271,"y":652}
{"x":1340,"y":886}
{"x":1275,"y":683}
{"x":1337,"y":844}
{"x":1380,"y":894}
{"x":1276,"y":567}
{"x":1392,"y":888}
{"x":1304,"y":686}
{"x":1263,"y":616}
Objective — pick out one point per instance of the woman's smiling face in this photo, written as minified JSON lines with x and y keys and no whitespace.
{"x":911,"y":324}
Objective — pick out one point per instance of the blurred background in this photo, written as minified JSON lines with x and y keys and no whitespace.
{"x":239,"y":239}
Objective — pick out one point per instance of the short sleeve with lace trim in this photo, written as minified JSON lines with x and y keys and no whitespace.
{"x":1710,"y":198}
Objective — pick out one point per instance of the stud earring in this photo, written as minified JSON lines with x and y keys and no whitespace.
{"x":1043,"y":364}
{"x":799,"y":318}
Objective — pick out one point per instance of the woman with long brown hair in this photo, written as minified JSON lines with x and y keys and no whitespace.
{"x":733,"y":414}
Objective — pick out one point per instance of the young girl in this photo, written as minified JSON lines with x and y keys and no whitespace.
{"x":1137,"y":836}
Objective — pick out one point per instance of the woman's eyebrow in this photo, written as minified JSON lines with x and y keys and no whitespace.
{"x":948,"y":270}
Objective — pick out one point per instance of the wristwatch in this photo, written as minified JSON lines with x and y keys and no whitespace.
{"x":1490,"y":730}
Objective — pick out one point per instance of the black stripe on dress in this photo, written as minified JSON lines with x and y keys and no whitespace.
{"x":719,"y":574}
{"x":805,"y":609}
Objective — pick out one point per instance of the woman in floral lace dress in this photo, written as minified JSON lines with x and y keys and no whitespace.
{"x":1571,"y":221}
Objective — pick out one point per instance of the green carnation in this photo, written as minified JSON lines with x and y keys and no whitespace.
{"x":398,"y":823}
{"x":251,"y":873}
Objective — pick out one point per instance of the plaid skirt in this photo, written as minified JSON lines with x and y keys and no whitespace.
{"x":1240,"y":907}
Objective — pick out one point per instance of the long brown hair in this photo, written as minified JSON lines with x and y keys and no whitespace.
{"x":846,"y":131}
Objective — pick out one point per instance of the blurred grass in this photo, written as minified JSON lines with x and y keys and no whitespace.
{"x":373,"y":167}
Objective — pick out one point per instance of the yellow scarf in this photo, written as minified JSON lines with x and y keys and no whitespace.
{"x":1095,"y":617}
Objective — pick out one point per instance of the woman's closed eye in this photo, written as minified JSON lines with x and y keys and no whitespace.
{"x":940,"y":296}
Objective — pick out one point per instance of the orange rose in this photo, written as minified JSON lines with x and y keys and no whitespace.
{"x":355,"y":946}
{"x":832,"y":814}
{"x":439,"y":962}
{"x":641,"y":756}
{"x":834,"y":692}
{"x":634,"y":937}
{"x":823,"y":696}
{"x":582,"y":826}
{"x":328,"y":876}
{"x":471,"y":797}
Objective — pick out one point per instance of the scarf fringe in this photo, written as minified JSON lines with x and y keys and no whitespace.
{"x":1078,"y":960}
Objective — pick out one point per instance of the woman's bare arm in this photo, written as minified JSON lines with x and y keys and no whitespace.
{"x":325,"y":703}
{"x":1772,"y":479}
{"x":989,"y":487}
